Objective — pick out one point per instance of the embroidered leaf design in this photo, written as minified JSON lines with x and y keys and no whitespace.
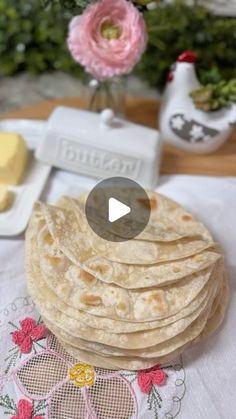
{"x":41,"y":406}
{"x":12,"y":359}
{"x":40,"y":321}
{"x":13,"y":325}
{"x":13,"y":352}
{"x":154,"y":401}
{"x":157,"y":394}
{"x":39,"y":344}
{"x":131,"y":375}
{"x":149,"y":401}
{"x":8,"y":404}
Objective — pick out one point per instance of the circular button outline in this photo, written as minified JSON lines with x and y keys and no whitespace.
{"x":128,"y":192}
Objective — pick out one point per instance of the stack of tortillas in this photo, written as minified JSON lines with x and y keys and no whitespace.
{"x":130,"y":304}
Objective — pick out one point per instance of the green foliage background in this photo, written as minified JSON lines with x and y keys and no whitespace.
{"x":33,"y":39}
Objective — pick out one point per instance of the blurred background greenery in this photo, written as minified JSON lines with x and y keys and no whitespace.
{"x":33,"y":39}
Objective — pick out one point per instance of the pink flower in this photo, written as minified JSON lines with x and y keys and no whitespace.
{"x":147,"y":378}
{"x":30,"y":332}
{"x":109,"y":38}
{"x":144,"y":381}
{"x":65,"y":383}
{"x":25,"y":411}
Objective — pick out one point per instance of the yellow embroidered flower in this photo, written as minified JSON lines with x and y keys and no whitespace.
{"x":83,"y":375}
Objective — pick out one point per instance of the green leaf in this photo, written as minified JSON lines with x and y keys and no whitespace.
{"x":215,"y":96}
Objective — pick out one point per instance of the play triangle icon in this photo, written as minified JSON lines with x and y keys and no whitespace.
{"x":117,"y":210}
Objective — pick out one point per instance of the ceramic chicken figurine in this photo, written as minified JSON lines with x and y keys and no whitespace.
{"x":181,"y":123}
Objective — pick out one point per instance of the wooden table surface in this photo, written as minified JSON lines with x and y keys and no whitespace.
{"x":144,"y":111}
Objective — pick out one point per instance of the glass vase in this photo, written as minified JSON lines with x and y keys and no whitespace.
{"x":100,"y":95}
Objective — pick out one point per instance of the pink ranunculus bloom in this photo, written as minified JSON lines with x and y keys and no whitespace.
{"x":108,"y":39}
{"x":149,"y":377}
{"x":25,"y":410}
{"x":30,"y":332}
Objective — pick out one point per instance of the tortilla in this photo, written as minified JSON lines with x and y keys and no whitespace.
{"x":168,"y":220}
{"x":131,"y":341}
{"x":126,"y":304}
{"x":165,"y":338}
{"x":77,"y":241}
{"x":135,"y":363}
{"x":133,"y":276}
{"x":80,"y":290}
{"x":104,"y":323}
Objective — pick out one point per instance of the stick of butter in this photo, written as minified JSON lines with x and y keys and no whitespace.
{"x":4,"y":197}
{"x":13,"y":157}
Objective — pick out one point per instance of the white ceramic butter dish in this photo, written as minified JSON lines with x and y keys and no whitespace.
{"x":101,"y":146}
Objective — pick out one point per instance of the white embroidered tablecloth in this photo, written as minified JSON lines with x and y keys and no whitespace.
{"x":200,"y":385}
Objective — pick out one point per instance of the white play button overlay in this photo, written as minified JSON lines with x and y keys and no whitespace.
{"x":117,"y":210}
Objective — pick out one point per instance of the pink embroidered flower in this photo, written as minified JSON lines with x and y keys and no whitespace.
{"x":109,"y":38}
{"x":25,"y":411}
{"x":49,"y":376}
{"x":30,"y":332}
{"x":147,"y":378}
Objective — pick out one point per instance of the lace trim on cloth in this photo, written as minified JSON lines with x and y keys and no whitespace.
{"x":39,"y":380}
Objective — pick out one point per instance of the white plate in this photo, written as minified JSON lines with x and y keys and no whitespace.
{"x":14,"y":220}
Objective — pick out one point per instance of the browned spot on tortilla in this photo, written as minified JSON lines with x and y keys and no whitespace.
{"x":102,"y":269}
{"x":176,"y":269}
{"x":55,"y":261}
{"x":48,"y":239}
{"x":86,"y":277}
{"x":153,"y":203}
{"x":149,"y":203}
{"x":158,"y":301}
{"x":90,"y":300}
{"x":122,"y":306}
{"x":186,"y":217}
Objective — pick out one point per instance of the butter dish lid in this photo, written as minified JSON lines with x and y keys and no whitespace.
{"x":102,"y":129}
